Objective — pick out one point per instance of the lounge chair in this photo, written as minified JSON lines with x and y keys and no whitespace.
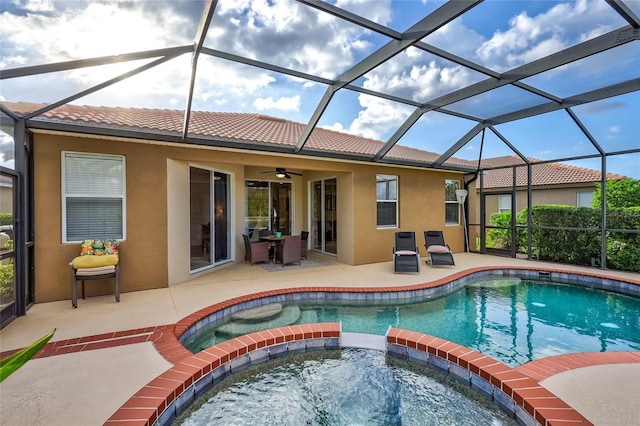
{"x":406,"y":257}
{"x":438,"y":251}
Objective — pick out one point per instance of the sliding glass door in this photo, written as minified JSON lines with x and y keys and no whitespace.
{"x":324,"y":236}
{"x":210,"y":226}
{"x":269,"y":206}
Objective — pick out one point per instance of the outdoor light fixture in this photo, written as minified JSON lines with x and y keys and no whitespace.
{"x":461,"y":195}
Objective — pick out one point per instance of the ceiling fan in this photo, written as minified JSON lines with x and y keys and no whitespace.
{"x":282,"y":173}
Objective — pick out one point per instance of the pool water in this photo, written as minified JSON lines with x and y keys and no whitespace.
{"x":348,"y":387}
{"x":511,"y":320}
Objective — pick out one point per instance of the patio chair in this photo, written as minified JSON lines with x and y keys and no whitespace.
{"x":304,"y":237}
{"x":98,"y":260}
{"x":290,"y":250}
{"x":406,"y":257}
{"x":438,"y":251}
{"x":255,"y":252}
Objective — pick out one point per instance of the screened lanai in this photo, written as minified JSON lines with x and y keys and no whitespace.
{"x":537,"y":82}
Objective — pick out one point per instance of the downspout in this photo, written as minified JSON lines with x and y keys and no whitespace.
{"x":466,"y":184}
{"x":603,"y":212}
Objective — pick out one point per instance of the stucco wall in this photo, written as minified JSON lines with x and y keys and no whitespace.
{"x":155,"y":253}
{"x":421,"y":207}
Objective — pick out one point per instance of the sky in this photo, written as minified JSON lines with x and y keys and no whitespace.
{"x":497,"y":34}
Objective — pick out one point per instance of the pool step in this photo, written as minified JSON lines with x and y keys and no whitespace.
{"x":363,"y":340}
{"x":287,"y":316}
{"x":258,"y":314}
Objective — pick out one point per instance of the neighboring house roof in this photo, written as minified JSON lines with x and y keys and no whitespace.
{"x":257,"y":129}
{"x":542,"y":173}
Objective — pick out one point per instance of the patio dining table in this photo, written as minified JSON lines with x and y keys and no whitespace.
{"x":273,"y":240}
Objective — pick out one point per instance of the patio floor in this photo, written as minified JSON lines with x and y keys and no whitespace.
{"x":87,"y":387}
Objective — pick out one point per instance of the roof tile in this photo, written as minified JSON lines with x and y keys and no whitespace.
{"x":262,"y":129}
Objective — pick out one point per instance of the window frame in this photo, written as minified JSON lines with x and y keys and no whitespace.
{"x":451,"y":201}
{"x":580,"y":194}
{"x":500,"y":198}
{"x":65,"y":196}
{"x":387,"y":178}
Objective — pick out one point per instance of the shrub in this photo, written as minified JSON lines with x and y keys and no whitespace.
{"x":574,"y":246}
{"x":6,"y":219}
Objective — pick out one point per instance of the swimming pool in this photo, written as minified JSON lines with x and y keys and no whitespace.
{"x":507,"y":318}
{"x":348,"y":387}
{"x":516,"y":390}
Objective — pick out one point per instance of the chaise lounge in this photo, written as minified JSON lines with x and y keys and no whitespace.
{"x":438,"y":251}
{"x":406,"y":257}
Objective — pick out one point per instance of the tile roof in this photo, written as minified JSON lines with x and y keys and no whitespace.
{"x":240,"y":127}
{"x":542,"y":173}
{"x":271,"y":131}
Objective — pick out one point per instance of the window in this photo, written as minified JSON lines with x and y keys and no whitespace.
{"x":451,"y":208}
{"x":504,"y":203}
{"x":585,"y":199}
{"x":387,"y":201}
{"x":93,"y":192}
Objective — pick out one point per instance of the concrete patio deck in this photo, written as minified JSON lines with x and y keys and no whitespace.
{"x":87,"y":387}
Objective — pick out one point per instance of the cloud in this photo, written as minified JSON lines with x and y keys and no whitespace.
{"x":378,"y":117}
{"x":81,"y":32}
{"x":530,"y":38}
{"x":288,"y":34}
{"x":416,"y":75}
{"x":6,"y":150}
{"x":292,"y":103}
{"x":36,"y":5}
{"x":376,"y":11}
{"x":337,"y":126}
{"x":78,"y":30}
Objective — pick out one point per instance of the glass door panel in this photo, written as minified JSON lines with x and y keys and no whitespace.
{"x":200,"y":217}
{"x":330,"y":217}
{"x":209,"y":223}
{"x":222,"y":224}
{"x":269,"y":206}
{"x":317,"y":206}
{"x":257,"y":215}
{"x":324,"y":236}
{"x":281,"y":207}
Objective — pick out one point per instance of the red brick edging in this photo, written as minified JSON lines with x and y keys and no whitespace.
{"x":150,"y":402}
{"x":178,"y":385}
{"x":525,"y":391}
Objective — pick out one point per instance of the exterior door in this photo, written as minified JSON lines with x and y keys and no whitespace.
{"x":209,"y":218}
{"x":269,"y":206}
{"x":324,"y":224}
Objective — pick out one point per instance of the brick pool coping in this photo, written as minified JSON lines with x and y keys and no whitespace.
{"x":168,"y":395}
{"x":530,"y":404}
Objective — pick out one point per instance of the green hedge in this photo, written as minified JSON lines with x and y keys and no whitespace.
{"x":574,"y":246}
{"x":6,"y":219}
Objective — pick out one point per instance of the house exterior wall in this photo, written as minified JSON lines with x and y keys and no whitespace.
{"x":155,"y":253}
